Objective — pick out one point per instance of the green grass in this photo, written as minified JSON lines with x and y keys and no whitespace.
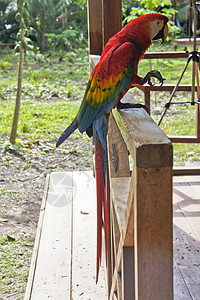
{"x":47,"y":76}
{"x":38,"y":119}
{"x":14,"y":256}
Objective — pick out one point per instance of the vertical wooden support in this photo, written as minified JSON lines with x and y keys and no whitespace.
{"x":147,"y":99}
{"x":151,"y":195}
{"x":153,"y":234}
{"x":112,"y":18}
{"x":128,"y":280}
{"x":95,"y":26}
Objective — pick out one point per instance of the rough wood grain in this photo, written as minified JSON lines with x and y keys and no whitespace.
{"x":112,"y":18}
{"x":153,"y":234}
{"x":52,"y":274}
{"x":64,"y":267}
{"x":117,"y":151}
{"x":84,"y":240}
{"x":170,"y":54}
{"x":95,"y":35}
{"x":31,"y":276}
{"x":119,"y":191}
{"x":146,"y":142}
{"x":186,"y":232}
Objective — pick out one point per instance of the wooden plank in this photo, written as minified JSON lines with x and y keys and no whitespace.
{"x":165,"y":88}
{"x":185,"y":42}
{"x":117,"y":151}
{"x":112,"y":18}
{"x":181,"y":291}
{"x":184,"y":139}
{"x":37,"y":242}
{"x":128,"y":274}
{"x":144,"y":138}
{"x":189,"y":202}
{"x":95,"y":26}
{"x":186,"y":233}
{"x":153,"y":234}
{"x":116,"y":238}
{"x":183,"y":171}
{"x":194,"y":182}
{"x":119,"y":191}
{"x":84,"y":241}
{"x":93,"y":59}
{"x":170,"y":54}
{"x":52,"y":274}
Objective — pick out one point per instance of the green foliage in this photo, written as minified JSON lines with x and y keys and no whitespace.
{"x":51,"y":17}
{"x":21,"y":17}
{"x":151,"y":6}
{"x":67,"y":40}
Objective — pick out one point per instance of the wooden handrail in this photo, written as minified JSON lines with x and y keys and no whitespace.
{"x":170,"y":54}
{"x":140,"y":252}
{"x":141,"y":207}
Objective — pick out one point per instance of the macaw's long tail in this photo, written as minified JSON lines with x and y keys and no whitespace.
{"x":100,"y":133}
{"x":68,"y":131}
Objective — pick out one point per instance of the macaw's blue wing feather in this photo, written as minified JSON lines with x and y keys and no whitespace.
{"x":110,"y":77}
{"x":68,"y":131}
{"x":100,"y":130}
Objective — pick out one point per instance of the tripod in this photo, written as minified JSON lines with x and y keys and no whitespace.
{"x":192,"y":56}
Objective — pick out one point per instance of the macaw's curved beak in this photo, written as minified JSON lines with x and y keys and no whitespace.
{"x":162,"y":34}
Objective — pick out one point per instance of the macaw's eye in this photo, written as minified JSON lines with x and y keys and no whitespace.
{"x":158,"y":22}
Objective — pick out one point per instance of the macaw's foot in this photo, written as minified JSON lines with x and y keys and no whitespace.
{"x":121,"y":105}
{"x":155,"y":74}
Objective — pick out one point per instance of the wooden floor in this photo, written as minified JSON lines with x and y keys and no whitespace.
{"x":64,"y":260}
{"x":63,"y":264}
{"x":187,"y":237}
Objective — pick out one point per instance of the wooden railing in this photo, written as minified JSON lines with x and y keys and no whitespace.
{"x":139,"y":262}
{"x":169,"y":88}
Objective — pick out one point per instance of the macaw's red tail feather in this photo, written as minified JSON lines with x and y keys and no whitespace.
{"x":101,"y":202}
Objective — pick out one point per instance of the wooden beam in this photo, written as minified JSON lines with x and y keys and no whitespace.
{"x":172,"y":54}
{"x":143,"y":136}
{"x":112,"y":18}
{"x":153,"y":234}
{"x":128,"y":274}
{"x":95,"y":26}
{"x":149,"y":204}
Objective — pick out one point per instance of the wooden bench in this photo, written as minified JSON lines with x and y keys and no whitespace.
{"x":63,"y":261}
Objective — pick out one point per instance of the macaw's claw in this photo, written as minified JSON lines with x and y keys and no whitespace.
{"x":155,"y":74}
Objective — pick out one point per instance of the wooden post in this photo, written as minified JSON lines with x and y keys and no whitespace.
{"x":128,"y":288}
{"x":95,"y":26}
{"x":153,"y":234}
{"x":151,"y":195}
{"x":112,"y":18}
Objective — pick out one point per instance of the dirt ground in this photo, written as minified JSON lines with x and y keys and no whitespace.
{"x":22,"y":179}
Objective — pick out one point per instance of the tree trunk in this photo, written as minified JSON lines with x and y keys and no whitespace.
{"x":43,"y":38}
{"x":19,"y":92}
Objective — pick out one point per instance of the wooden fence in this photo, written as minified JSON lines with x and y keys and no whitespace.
{"x":140,"y":257}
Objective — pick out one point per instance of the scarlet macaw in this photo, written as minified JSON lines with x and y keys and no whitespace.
{"x":111,"y":78}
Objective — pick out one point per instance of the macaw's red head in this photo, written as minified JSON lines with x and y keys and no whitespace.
{"x":149,"y":27}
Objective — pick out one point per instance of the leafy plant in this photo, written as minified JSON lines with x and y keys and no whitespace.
{"x":4,"y":63}
{"x":151,"y":6}
{"x":67,"y":40}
